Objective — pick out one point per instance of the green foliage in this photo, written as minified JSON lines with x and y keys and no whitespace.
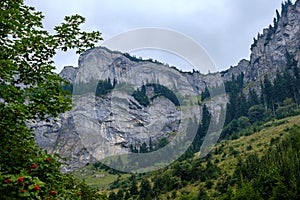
{"x":41,"y":178}
{"x":162,"y":142}
{"x":146,"y":190}
{"x":202,"y":195}
{"x":68,"y":88}
{"x":285,"y":86}
{"x":141,"y":96}
{"x":187,"y":196}
{"x":31,"y":91}
{"x":270,"y":33}
{"x":246,"y":192}
{"x":236,"y":99}
{"x":97,"y":87}
{"x":132,"y":58}
{"x":205,"y":94}
{"x":287,"y":109}
{"x":268,"y":93}
{"x":133,"y":186}
{"x":104,"y":87}
{"x":113,"y":196}
{"x":274,"y":176}
{"x":144,"y":148}
{"x":238,"y":126}
{"x":84,"y":88}
{"x":279,"y":98}
{"x":256,"y":113}
{"x":140,"y":59}
{"x":284,"y":7}
{"x":253,"y":98}
{"x":161,"y":90}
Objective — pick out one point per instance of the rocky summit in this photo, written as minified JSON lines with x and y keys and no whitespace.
{"x":274,"y":48}
{"x":121,"y":102}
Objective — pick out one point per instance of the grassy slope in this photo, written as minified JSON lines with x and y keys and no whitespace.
{"x":224,"y":155}
{"x":229,"y":150}
{"x":89,"y":175}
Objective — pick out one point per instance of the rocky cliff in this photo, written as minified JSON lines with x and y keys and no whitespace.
{"x":110,"y":123}
{"x":115,"y":120}
{"x":274,"y":48}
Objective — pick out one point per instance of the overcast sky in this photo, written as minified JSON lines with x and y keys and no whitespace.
{"x":224,"y":28}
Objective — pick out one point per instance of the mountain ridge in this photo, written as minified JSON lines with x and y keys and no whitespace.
{"x":269,"y":49}
{"x":270,"y":52}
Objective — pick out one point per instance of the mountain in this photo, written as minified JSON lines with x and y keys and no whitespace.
{"x":274,"y":48}
{"x":188,"y":178}
{"x":136,"y":101}
{"x":126,"y":116}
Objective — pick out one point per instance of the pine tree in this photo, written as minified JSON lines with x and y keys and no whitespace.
{"x":280,"y":92}
{"x":205,"y":94}
{"x":256,"y":113}
{"x":253,"y":98}
{"x":277,"y":15}
{"x":133,"y":186}
{"x":145,"y":190}
{"x":241,"y":106}
{"x":267,"y":93}
{"x":143,"y":148}
{"x":296,"y":73}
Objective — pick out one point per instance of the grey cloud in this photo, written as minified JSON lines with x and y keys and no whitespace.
{"x":225,"y":28}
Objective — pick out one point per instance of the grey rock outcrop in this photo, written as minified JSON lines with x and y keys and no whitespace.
{"x":69,"y":73}
{"x":271,"y":49}
{"x":107,"y":125}
{"x":102,"y":126}
{"x":270,"y":53}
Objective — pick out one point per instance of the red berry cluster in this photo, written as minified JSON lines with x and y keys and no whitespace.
{"x":20,"y":179}
{"x":34,"y":166}
{"x":7,"y":180}
{"x":47,"y":159}
{"x":36,"y":187}
{"x":52,"y":192}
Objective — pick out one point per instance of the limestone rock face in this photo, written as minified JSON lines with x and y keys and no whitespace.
{"x":271,"y":49}
{"x":105,"y":125}
{"x":69,"y":73}
{"x":108,"y":124}
{"x":270,"y":53}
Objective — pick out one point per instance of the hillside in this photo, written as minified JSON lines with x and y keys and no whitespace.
{"x":138,"y":115}
{"x":224,"y":159}
{"x":257,"y":154}
{"x":121,"y":82}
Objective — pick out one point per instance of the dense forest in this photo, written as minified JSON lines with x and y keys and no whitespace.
{"x":278,"y":98}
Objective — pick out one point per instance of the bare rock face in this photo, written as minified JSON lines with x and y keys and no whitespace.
{"x":59,"y":136}
{"x":275,"y":44}
{"x":69,"y":73}
{"x":272,"y":49}
{"x":108,"y":124}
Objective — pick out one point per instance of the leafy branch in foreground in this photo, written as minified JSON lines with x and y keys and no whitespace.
{"x":30,"y":90}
